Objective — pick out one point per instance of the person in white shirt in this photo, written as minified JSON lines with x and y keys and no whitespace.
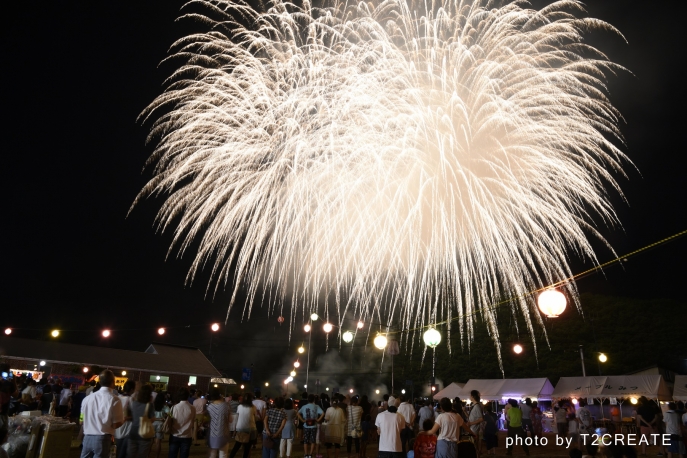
{"x":65,"y":398}
{"x":199,"y":405}
{"x":672,"y":420}
{"x":102,"y":414}
{"x":408,"y":411}
{"x":389,"y":426}
{"x":122,"y":433}
{"x":181,"y":436}
{"x":260,"y":410}
{"x":30,"y":389}
{"x":448,"y":425}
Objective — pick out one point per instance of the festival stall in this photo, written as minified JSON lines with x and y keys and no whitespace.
{"x":680,"y":389}
{"x":450,"y":391}
{"x":616,"y":390}
{"x":502,"y":389}
{"x":617,"y":386}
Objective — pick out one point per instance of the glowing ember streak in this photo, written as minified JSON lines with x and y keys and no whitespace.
{"x":427,"y":162}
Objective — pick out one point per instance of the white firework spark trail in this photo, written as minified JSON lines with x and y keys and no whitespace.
{"x":408,"y":162}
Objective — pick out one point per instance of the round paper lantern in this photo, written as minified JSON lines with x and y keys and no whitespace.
{"x":280,"y":320}
{"x":552,"y":302}
{"x":432,"y":337}
{"x":327,"y":327}
{"x":215,"y":327}
{"x":517,"y":349}
{"x":347,"y":336}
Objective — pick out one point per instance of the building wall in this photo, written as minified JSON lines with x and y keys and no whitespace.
{"x":176,"y":381}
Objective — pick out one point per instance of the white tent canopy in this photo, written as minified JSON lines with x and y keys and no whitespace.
{"x":680,"y":389}
{"x":615,"y":386}
{"x":450,"y":391}
{"x":488,"y":388}
{"x":518,"y":388}
{"x":499,"y":389}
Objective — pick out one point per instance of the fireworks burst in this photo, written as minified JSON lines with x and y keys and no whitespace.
{"x":410,"y":162}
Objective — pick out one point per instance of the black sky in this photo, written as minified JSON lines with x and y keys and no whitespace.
{"x":77,"y":74}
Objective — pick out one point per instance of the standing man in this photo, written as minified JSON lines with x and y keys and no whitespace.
{"x":407,"y":411}
{"x":389,"y":426}
{"x":310,"y":414}
{"x":426,"y":412}
{"x":200,"y":406}
{"x":260,"y":411}
{"x":102,"y":414}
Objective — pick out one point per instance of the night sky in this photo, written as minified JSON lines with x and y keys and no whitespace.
{"x":77,"y":74}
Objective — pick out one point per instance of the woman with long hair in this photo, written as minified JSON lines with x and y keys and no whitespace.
{"x":141,"y":406}
{"x":354,"y":414}
{"x":161,"y":412}
{"x":246,"y":431}
{"x":220,"y":419}
{"x":288,"y":433}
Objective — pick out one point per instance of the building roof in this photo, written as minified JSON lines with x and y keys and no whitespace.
{"x":161,"y":358}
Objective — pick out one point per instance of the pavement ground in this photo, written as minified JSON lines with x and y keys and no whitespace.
{"x":549,"y":450}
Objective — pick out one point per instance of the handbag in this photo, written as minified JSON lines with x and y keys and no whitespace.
{"x":268,"y":442}
{"x":168,"y":423}
{"x":146,"y":429}
{"x":355,"y":430}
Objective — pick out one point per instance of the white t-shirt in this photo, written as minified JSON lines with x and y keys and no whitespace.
{"x":684,"y":419}
{"x":100,"y":411}
{"x":672,"y":421}
{"x":525,"y":411}
{"x":260,"y":407}
{"x":475,"y":414}
{"x":199,"y":405}
{"x":184,"y":415}
{"x":245,"y":418}
{"x":449,"y":424}
{"x":65,"y":394}
{"x":30,"y":390}
{"x":390,"y":426}
{"x":408,"y":412}
{"x":124,"y":430}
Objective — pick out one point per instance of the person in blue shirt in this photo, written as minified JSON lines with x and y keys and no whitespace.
{"x":310,"y":414}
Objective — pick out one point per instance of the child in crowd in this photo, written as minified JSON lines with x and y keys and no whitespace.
{"x":425,"y":443}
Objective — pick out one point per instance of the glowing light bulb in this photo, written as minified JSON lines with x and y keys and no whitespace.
{"x":403,"y":391}
{"x":574,"y":401}
{"x":307,"y":328}
{"x":360,"y":324}
{"x":267,"y":383}
{"x":123,"y":372}
{"x":517,"y":348}
{"x":292,"y":373}
{"x":633,"y":401}
{"x":8,"y":331}
{"x":603,"y":358}
{"x":327,"y":327}
{"x":242,"y":387}
{"x":161,"y":331}
{"x":301,"y":349}
{"x":552,"y":302}
{"x":326,"y":389}
{"x":376,"y":391}
{"x":85,"y":370}
{"x":55,"y":333}
{"x":380,"y":342}
{"x":296,"y":364}
{"x":347,"y":336}
{"x":215,"y":327}
{"x":351,"y":391}
{"x":42,"y":363}
{"x":106,"y":333}
{"x":314,"y":317}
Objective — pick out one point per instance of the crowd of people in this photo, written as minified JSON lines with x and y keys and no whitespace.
{"x":398,"y":427}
